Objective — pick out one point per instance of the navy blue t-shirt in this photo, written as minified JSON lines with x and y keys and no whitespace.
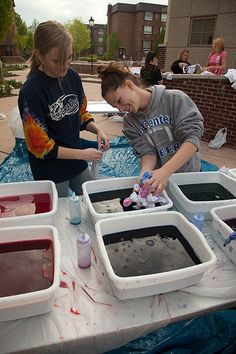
{"x":53,"y":112}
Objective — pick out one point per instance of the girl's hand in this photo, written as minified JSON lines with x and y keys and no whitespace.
{"x":103,"y":141}
{"x":157,"y":183}
{"x":92,"y":155}
{"x":182,"y":65}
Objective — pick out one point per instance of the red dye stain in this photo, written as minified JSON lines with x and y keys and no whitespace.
{"x":73,"y":285}
{"x":63,"y":284}
{"x":94,"y":255}
{"x":75,"y":312}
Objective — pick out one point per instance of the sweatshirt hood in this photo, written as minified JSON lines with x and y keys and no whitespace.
{"x":157,"y":92}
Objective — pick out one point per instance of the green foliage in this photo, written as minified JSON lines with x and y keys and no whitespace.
{"x":34,"y":25}
{"x":21,"y":33}
{"x":14,"y":83}
{"x":113,"y":44}
{"x":160,"y":40}
{"x":6,"y":18}
{"x":80,"y":34}
{"x":89,"y":58}
{"x":5,"y":89}
{"x":25,"y":36}
{"x":11,"y":67}
{"x":7,"y":86}
{"x":21,"y":26}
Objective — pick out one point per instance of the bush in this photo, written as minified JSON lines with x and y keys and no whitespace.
{"x":15,"y":83}
{"x":14,"y":67}
{"x":7,"y":86}
{"x":5,"y":89}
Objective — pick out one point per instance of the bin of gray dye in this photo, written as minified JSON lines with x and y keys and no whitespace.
{"x":147,"y":254}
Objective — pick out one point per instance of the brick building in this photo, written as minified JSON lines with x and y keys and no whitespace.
{"x":194,"y":24}
{"x":137,"y":28}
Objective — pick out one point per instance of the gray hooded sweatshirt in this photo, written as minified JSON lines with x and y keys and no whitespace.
{"x":170,"y":119}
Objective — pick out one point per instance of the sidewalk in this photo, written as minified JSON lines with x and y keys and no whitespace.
{"x":223,"y":156}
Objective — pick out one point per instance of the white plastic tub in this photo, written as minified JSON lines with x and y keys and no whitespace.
{"x":35,"y":302}
{"x":232,"y":172}
{"x":28,"y":188}
{"x":111,"y":184}
{"x":125,"y":287}
{"x":223,"y":230}
{"x":189,"y":207}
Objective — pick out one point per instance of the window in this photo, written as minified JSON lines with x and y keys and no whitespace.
{"x":148,"y":16}
{"x":100,"y":39}
{"x":100,"y":31}
{"x":202,"y":30}
{"x":100,"y":50}
{"x":147,"y":30}
{"x":146,"y":45}
{"x":163,"y":17}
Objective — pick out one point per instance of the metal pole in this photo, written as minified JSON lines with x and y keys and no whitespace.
{"x":92,"y":62}
{"x":92,"y":48}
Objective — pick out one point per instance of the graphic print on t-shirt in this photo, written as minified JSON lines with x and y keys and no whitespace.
{"x":65,"y":105}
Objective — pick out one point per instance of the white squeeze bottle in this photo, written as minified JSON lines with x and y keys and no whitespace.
{"x":75,"y":209}
{"x":84,"y":250}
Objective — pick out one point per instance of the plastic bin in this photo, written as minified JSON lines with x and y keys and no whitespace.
{"x":232,"y":172}
{"x":189,"y":207}
{"x":112,"y":184}
{"x":30,"y":188}
{"x":35,"y":302}
{"x":125,"y":287}
{"x":223,"y":230}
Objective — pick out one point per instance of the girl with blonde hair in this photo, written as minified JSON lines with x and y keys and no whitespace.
{"x":218,"y":57}
{"x":181,"y":63}
{"x":53,"y":109}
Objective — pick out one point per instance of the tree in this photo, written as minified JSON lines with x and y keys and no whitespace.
{"x":113,"y":44}
{"x":21,"y":33}
{"x":34,"y":25}
{"x":160,"y":40}
{"x":6,"y":18}
{"x":80,"y":34}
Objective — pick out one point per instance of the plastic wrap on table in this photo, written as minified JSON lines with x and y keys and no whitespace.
{"x":212,"y":333}
{"x":118,"y":161}
{"x":16,"y":168}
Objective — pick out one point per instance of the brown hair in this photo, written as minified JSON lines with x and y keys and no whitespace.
{"x":150,"y":56}
{"x":181,"y":53}
{"x":114,"y":75}
{"x":220,"y":44}
{"x":48,"y":35}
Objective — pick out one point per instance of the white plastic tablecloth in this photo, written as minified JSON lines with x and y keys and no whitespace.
{"x":86,"y":319}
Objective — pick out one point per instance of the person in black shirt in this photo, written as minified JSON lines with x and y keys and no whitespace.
{"x":182,"y":62}
{"x":53,"y":109}
{"x":150,"y":73}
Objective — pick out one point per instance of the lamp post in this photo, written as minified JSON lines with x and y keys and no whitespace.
{"x":91,"y":24}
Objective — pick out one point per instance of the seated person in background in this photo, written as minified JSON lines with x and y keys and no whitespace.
{"x":182,"y":62}
{"x":217,"y":58}
{"x":150,"y":73}
{"x":163,"y":126}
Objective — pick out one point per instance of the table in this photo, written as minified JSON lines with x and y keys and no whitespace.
{"x":86,"y":319}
